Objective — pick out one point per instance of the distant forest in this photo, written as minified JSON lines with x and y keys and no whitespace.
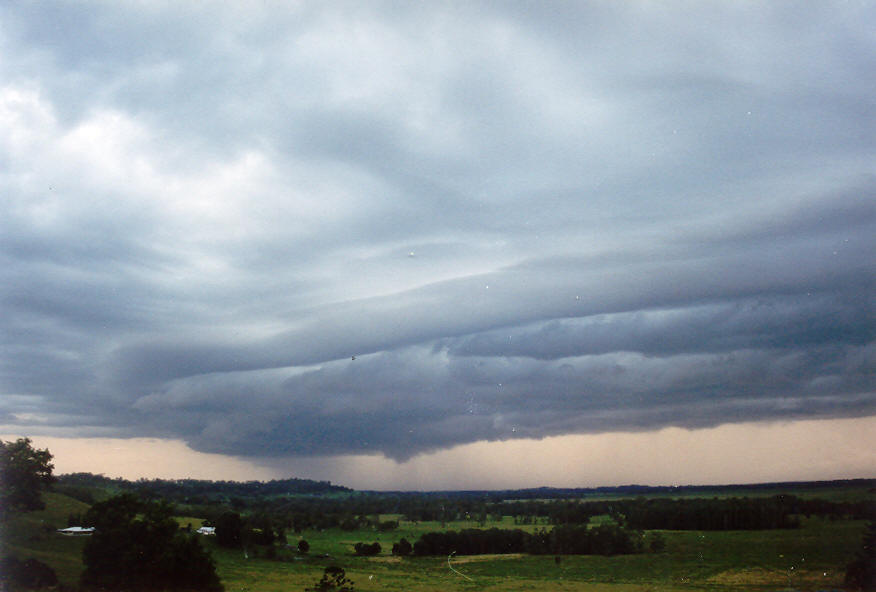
{"x":192,"y":491}
{"x":300,"y":504}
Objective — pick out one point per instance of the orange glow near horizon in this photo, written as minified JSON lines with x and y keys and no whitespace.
{"x":731,"y":453}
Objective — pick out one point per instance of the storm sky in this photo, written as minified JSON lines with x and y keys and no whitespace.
{"x":295,"y":234}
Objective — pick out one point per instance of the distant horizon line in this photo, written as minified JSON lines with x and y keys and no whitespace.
{"x":596,"y":489}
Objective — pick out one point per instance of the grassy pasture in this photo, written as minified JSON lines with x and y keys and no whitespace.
{"x":810,"y":558}
{"x":33,"y":534}
{"x":185,"y":521}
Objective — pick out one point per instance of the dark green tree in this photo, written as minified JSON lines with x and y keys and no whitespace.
{"x":229,"y":530}
{"x":303,"y":547}
{"x":259,"y":530}
{"x":24,"y":473}
{"x":334,"y":579}
{"x":138,"y":546}
{"x":403,"y":548}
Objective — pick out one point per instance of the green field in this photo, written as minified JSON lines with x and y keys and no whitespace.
{"x":810,"y":558}
{"x":33,"y":534}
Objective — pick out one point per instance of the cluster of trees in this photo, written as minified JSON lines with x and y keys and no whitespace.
{"x":759,"y":513}
{"x":137,"y":545}
{"x":860,"y":510}
{"x":709,"y":514}
{"x":25,"y":472}
{"x":606,"y":539}
{"x":315,"y":514}
{"x":234,"y":530}
{"x":298,"y":505}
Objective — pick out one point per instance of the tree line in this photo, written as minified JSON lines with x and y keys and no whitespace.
{"x":196,"y":491}
{"x":300,"y":504}
{"x":605,"y":539}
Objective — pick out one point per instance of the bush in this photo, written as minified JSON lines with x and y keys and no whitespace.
{"x":303,"y":547}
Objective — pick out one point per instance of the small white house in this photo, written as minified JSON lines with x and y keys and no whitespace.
{"x":77,"y":530}
{"x":207,"y":530}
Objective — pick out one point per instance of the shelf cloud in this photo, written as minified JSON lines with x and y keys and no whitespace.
{"x":380,"y":228}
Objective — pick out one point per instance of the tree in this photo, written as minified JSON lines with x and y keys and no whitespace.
{"x":138,"y":545}
{"x":259,"y":530}
{"x":24,"y":473}
{"x":334,"y":579}
{"x":303,"y":547}
{"x":403,"y":548}
{"x":229,"y":530}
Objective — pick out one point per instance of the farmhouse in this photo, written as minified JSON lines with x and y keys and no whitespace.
{"x":207,"y":530}
{"x":76,"y":531}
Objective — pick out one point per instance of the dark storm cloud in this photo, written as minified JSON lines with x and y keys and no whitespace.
{"x":346,"y":228}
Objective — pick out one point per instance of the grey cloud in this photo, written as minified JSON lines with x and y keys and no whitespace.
{"x":521,"y":219}
{"x":414,"y":401}
{"x":801,"y":321}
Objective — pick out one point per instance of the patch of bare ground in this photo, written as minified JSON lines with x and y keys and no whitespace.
{"x":386,"y":559}
{"x":493,"y":557}
{"x":571,"y":586}
{"x":758,"y":576}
